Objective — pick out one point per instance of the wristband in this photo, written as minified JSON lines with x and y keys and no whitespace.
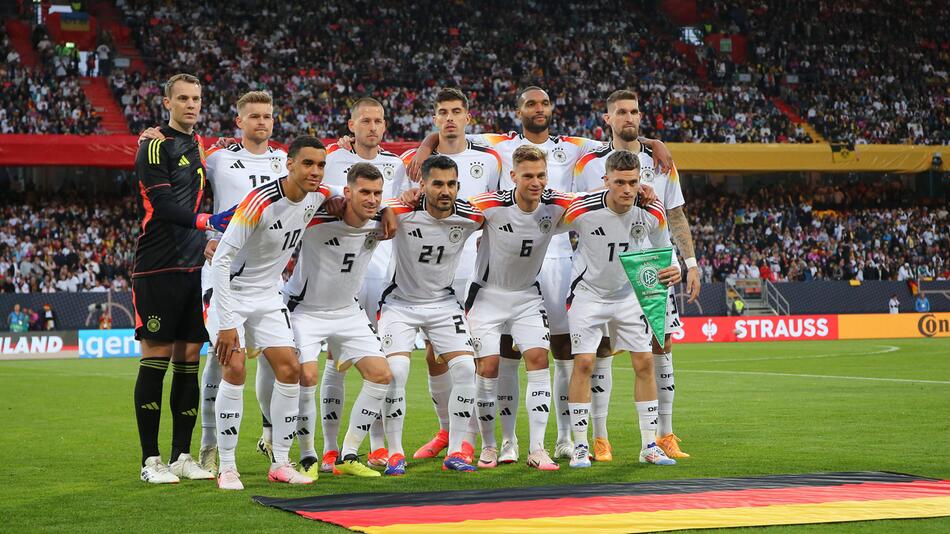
{"x":690,"y":263}
{"x":201,"y":221}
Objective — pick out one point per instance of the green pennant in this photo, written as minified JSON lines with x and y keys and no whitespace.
{"x":643,"y":270}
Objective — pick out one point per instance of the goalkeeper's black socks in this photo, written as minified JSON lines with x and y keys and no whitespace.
{"x":148,"y":403}
{"x":183,"y":401}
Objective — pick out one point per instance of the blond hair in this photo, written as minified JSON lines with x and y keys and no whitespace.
{"x":527,"y":153}
{"x":254,"y":97}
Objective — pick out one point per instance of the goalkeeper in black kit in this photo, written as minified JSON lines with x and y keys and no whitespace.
{"x":166,"y":281}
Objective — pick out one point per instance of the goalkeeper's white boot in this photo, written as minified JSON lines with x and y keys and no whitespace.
{"x":208,"y":459}
{"x":265,"y":448}
{"x":156,"y":472}
{"x":185,"y":467}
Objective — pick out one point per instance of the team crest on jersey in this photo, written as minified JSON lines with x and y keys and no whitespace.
{"x":455,"y":234}
{"x":388,"y":170}
{"x":575,"y":339}
{"x":647,"y":175}
{"x":371,"y":240}
{"x":154,"y":323}
{"x":545,"y":224}
{"x":477,"y":169}
{"x":387,"y":341}
{"x":638,"y":231}
{"x":308,"y":212}
{"x":559,"y":155}
{"x":477,"y":344}
{"x":275,"y":164}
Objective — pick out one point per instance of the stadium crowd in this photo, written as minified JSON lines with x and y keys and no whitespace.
{"x":49,"y":245}
{"x":47,"y":98}
{"x":867,"y":72}
{"x":858,"y":232}
{"x":402,"y":54}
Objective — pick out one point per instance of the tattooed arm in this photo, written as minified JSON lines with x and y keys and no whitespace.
{"x":679,"y":230}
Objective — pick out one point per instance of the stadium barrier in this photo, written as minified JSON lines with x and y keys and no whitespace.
{"x":121,"y":343}
{"x":118,"y":151}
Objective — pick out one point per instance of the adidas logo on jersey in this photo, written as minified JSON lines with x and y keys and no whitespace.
{"x":506,"y":228}
{"x":183,"y":162}
{"x":416,"y":233}
{"x":277,"y":225}
{"x":599,"y":231}
{"x":333,"y":242}
{"x":237,"y":165}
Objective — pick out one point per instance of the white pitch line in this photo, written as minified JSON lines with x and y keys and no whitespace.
{"x":795,"y":375}
{"x":886,"y":349}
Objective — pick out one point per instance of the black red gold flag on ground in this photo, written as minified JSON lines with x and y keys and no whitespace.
{"x":635,"y":507}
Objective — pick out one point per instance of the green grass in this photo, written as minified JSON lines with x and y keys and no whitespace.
{"x":71,"y":450}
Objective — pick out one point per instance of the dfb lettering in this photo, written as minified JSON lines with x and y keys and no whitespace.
{"x":463,"y":400}
{"x":291,"y":419}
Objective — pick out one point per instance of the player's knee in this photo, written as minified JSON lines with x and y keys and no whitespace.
{"x":487,"y":367}
{"x":309,"y":375}
{"x":584,"y":364}
{"x":642,"y":362}
{"x":462,"y":369}
{"x":287,"y":372}
{"x":378,"y":374}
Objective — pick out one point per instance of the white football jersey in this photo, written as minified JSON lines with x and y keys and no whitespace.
{"x":562,"y":154}
{"x":591,"y":169}
{"x":233,"y":172}
{"x":333,"y":260}
{"x":427,"y":251}
{"x":479,"y":172}
{"x":602,"y":234}
{"x":514,"y":242}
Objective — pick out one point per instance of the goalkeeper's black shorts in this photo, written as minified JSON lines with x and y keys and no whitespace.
{"x":168,"y":307}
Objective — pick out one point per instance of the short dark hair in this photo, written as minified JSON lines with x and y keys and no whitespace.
{"x":183,"y":77}
{"x":365,"y":101}
{"x":451,"y":94}
{"x":621,"y":94}
{"x":438,"y":162}
{"x":522,"y":92}
{"x":302,"y":142}
{"x":367,"y":171}
{"x":623,"y":160}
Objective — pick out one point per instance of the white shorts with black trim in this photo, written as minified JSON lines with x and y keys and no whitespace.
{"x":442,"y":323}
{"x":347,"y":332}
{"x":262,"y":319}
{"x":492,"y":311}
{"x":555,"y":280}
{"x":673,"y":322}
{"x":622,"y":321}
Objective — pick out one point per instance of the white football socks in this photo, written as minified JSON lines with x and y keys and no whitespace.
{"x":537,"y":400}
{"x":580,"y":411}
{"x":509,"y":393}
{"x":440,"y":387}
{"x":395,"y":403}
{"x":562,"y":381}
{"x":210,"y":379}
{"x":665,"y":390}
{"x":461,"y":402}
{"x":307,"y":421}
{"x":229,"y":408}
{"x":264,"y":389}
{"x":601,"y":383}
{"x":365,"y":412}
{"x":285,"y":407}
{"x":646,"y":413}
{"x":331,"y":406}
{"x":487,"y":394}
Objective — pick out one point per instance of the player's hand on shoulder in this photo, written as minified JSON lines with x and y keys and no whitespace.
{"x":411,"y":197}
{"x":150,"y":133}
{"x":224,"y":142}
{"x":335,"y":206}
{"x":390,"y":224}
{"x":647,"y":195}
{"x":670,"y":275}
{"x":414,"y":169}
{"x":345,"y":142}
{"x":662,"y":157}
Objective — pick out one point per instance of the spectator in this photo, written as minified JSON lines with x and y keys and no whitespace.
{"x":18,"y":320}
{"x":48,"y":317}
{"x":922,"y":303}
{"x":893,"y":305}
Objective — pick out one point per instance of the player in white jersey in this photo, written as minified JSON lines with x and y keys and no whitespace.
{"x":428,"y":248}
{"x":602,"y":302}
{"x":246,"y":299}
{"x":535,"y":110}
{"x":322,"y":298}
{"x":623,"y":116}
{"x":368,"y":125}
{"x":479,"y":172}
{"x":505,"y":296}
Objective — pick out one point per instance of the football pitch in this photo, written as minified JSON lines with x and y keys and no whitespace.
{"x":71,"y":455}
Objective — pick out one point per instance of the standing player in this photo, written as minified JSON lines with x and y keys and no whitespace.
{"x":535,"y":110}
{"x":505,"y":296}
{"x":246,"y":299}
{"x":322,"y":298}
{"x":602,"y":302}
{"x":428,"y":248}
{"x":368,"y":125}
{"x":623,"y":117}
{"x":479,"y":172}
{"x":166,"y":281}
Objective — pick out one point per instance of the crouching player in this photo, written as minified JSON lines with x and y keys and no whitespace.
{"x":323,"y":299}
{"x":602,"y":302}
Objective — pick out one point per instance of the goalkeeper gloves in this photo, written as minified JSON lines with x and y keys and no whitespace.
{"x":218,"y":221}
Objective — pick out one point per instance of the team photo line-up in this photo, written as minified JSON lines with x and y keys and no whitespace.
{"x":489,"y":248}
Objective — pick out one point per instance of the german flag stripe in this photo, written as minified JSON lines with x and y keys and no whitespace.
{"x":487,"y":150}
{"x":155,"y":151}
{"x":252,"y":207}
{"x":495,"y":139}
{"x":487,"y":200}
{"x":637,"y":507}
{"x":583,"y":204}
{"x":398,"y":206}
{"x":657,"y":210}
{"x":674,"y":174}
{"x":583,"y":161}
{"x":551,"y":196}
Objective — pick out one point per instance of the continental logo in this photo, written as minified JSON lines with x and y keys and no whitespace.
{"x":928,"y":325}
